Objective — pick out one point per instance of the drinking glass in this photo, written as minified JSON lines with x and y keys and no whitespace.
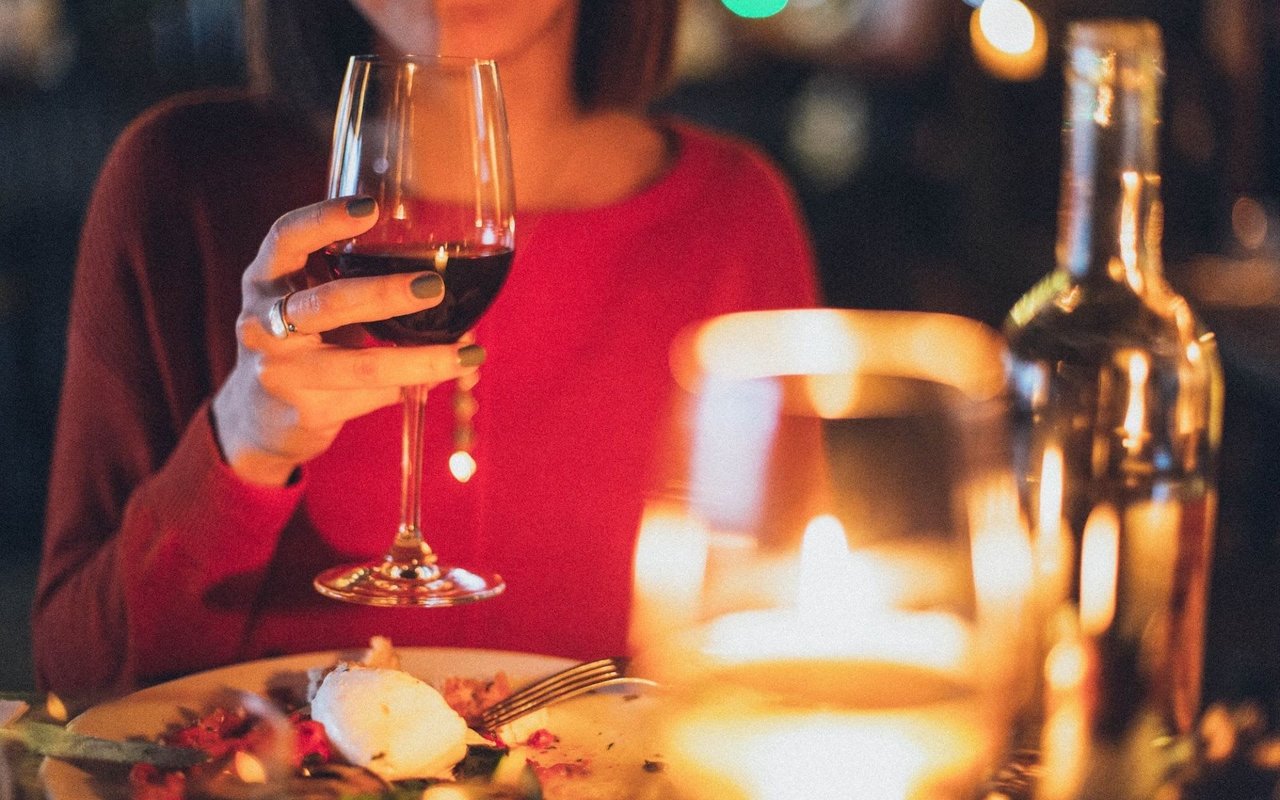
{"x":426,"y":137}
{"x":832,"y":582}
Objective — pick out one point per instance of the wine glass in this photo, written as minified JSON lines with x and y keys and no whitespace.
{"x":426,"y":137}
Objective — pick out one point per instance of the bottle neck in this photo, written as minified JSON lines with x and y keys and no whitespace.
{"x":1112,"y":218}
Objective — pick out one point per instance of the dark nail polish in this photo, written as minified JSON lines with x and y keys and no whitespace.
{"x":361,"y":206}
{"x":427,"y":285}
{"x":471,"y":356}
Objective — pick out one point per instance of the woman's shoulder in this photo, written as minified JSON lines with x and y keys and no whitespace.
{"x":200,"y":106}
{"x":725,"y":155}
{"x":742,"y":177}
{"x":188,"y":118}
{"x":722,"y":173}
{"x":197,"y":130}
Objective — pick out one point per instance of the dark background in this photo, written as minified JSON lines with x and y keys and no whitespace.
{"x":928,"y":183}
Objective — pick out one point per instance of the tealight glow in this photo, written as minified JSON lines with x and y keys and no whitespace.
{"x":836,"y":695}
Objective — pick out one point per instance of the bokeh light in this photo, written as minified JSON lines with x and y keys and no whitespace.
{"x":1249,"y":222}
{"x":1008,"y":25}
{"x":1009,"y":39}
{"x":829,"y":131}
{"x":462,"y":466}
{"x":755,"y":9}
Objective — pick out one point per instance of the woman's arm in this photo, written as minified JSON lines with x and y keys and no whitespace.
{"x":154,"y":550}
{"x":177,"y":436}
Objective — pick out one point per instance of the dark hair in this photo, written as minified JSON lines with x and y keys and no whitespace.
{"x":298,"y":49}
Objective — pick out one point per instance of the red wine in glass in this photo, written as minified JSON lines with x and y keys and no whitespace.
{"x":426,"y":138}
{"x":473,"y":275}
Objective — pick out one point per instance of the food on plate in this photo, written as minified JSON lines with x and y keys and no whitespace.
{"x":225,"y":735}
{"x":369,"y":729}
{"x":381,"y":653}
{"x":471,"y":696}
{"x":389,"y":722}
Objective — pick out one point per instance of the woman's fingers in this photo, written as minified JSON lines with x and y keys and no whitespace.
{"x":305,"y":230}
{"x":332,"y":368}
{"x":354,"y":300}
{"x":283,"y":406}
{"x":331,"y":410}
{"x":290,"y":391}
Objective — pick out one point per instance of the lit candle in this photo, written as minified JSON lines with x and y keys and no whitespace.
{"x":837,"y":695}
{"x":1134,"y":429}
{"x":669,"y":567}
{"x":1099,"y":568}
{"x":1054,"y":550}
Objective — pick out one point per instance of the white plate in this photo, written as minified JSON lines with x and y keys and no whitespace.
{"x":605,"y":729}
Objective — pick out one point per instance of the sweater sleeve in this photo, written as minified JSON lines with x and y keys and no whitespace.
{"x":152,"y":545}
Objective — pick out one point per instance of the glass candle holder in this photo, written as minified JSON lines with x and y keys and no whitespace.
{"x":832,"y":580}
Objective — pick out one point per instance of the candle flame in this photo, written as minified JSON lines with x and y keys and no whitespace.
{"x":834,"y":582}
{"x":844,"y":608}
{"x":1099,"y":568}
{"x":826,"y":585}
{"x":1134,"y":427}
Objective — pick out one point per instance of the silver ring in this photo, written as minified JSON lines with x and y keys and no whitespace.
{"x":278,"y":321}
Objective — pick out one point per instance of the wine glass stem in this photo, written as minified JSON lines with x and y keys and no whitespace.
{"x":409,"y":546}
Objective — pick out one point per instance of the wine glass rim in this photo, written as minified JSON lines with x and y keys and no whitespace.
{"x":414,"y":58}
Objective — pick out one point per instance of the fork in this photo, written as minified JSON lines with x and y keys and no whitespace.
{"x":570,"y":682}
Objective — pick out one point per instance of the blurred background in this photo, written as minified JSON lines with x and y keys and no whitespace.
{"x":923,"y":140}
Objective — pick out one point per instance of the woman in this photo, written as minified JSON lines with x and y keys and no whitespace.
{"x":205,"y":470}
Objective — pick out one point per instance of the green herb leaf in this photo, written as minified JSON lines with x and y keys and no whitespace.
{"x":58,"y":742}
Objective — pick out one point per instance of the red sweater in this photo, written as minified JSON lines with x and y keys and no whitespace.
{"x":159,"y":561}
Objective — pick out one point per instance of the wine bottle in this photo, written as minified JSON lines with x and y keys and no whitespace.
{"x":1117,"y":396}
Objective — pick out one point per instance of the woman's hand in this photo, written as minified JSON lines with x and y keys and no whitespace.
{"x":286,"y":398}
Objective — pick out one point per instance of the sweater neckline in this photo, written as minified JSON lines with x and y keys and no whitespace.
{"x":683,"y":167}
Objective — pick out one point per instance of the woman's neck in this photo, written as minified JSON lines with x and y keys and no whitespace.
{"x":566,"y":157}
{"x":544,"y":118}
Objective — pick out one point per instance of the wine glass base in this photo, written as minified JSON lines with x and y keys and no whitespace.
{"x":377,"y":583}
